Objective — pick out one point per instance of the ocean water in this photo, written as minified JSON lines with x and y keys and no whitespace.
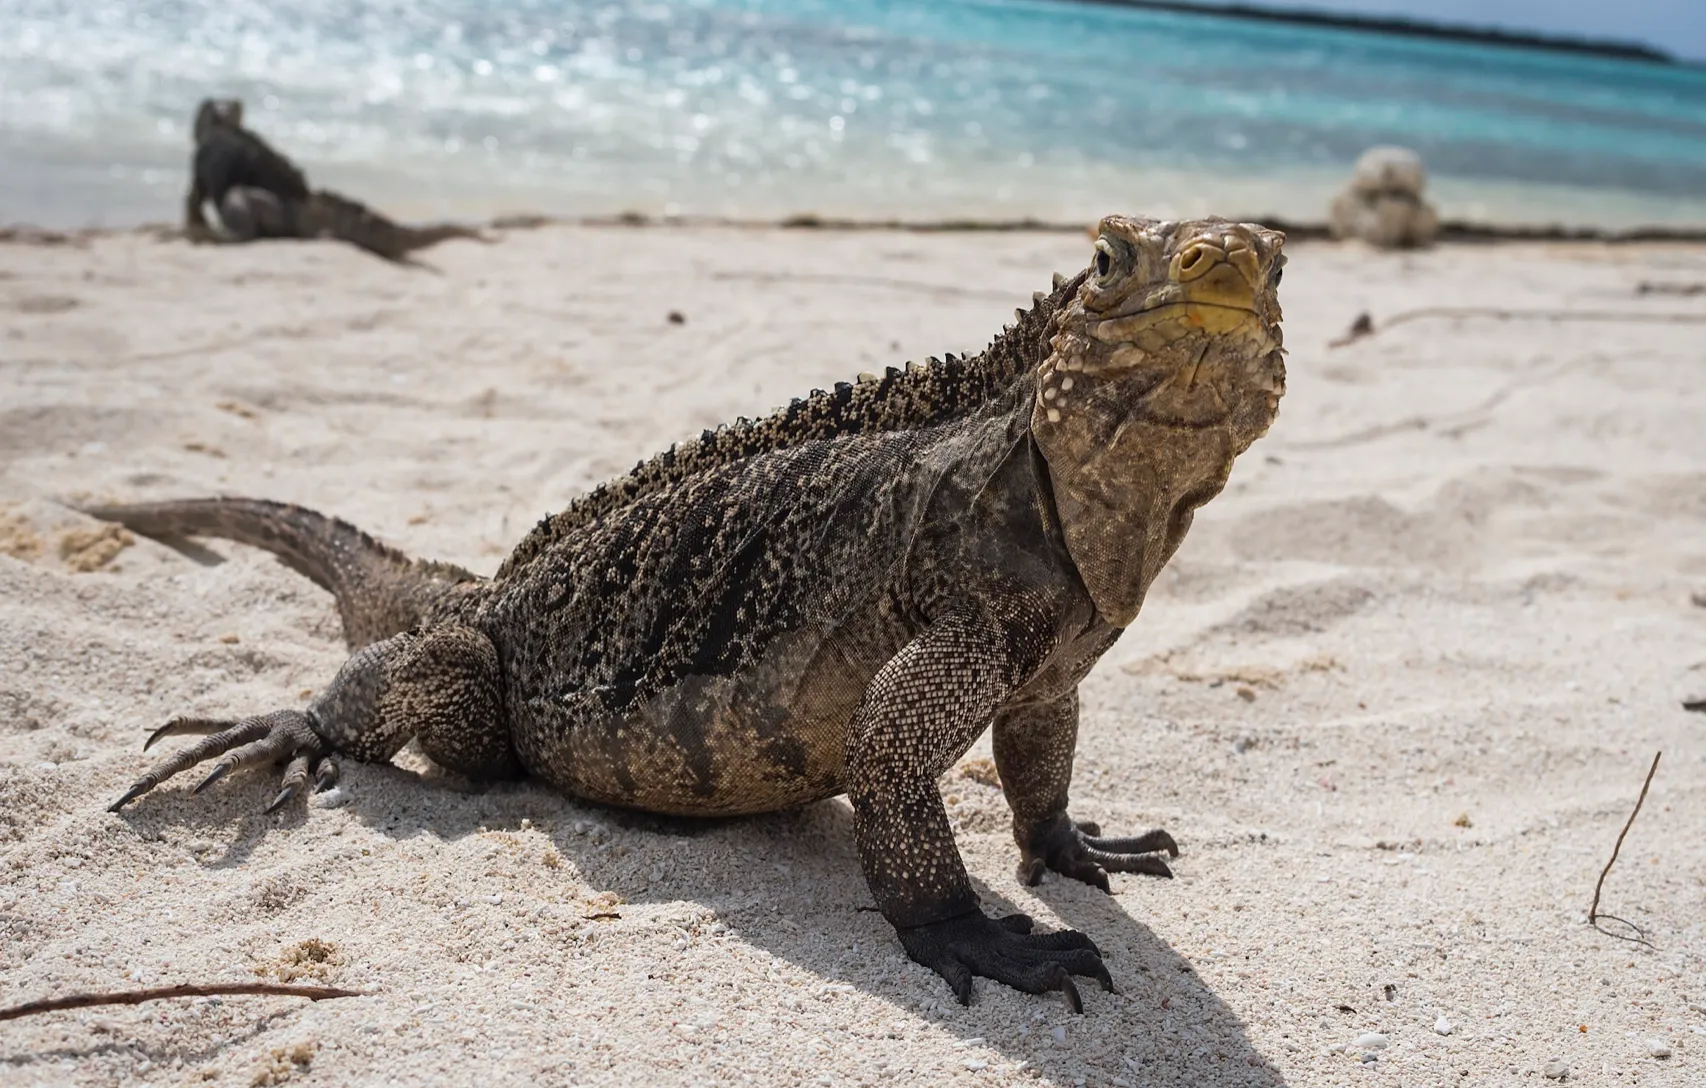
{"x":764,"y":108}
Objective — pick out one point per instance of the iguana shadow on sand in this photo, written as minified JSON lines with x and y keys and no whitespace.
{"x":838,"y":598}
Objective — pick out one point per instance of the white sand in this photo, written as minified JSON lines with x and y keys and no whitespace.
{"x":1395,"y":696}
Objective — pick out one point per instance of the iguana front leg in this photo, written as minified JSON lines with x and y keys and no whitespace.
{"x":920,"y":713}
{"x":195,"y":215}
{"x":1034,"y":746}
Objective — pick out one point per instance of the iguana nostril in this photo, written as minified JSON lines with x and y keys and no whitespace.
{"x":1197,"y":259}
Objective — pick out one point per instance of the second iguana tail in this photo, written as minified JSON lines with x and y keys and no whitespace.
{"x":380,"y":591}
{"x":329,"y":214}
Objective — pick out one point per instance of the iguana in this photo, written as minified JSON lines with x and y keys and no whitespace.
{"x":837,"y":598}
{"x":260,"y":193}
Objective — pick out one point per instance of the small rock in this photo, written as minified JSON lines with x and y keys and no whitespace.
{"x":1059,"y":1034}
{"x":1383,"y":204}
{"x":1556,"y":1069}
{"x":1442,"y":1026}
{"x":332,"y":798}
{"x":676,"y":317}
{"x":1658,"y":1048}
{"x":1371,"y":1040}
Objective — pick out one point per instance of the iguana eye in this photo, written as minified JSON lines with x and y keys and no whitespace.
{"x":1104,"y":258}
{"x":1279,"y":272}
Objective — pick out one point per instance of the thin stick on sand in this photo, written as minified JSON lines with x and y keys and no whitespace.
{"x":137,"y":997}
{"x":1593,"y":911}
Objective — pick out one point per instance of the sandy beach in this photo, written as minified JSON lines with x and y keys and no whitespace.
{"x":1395,"y":696}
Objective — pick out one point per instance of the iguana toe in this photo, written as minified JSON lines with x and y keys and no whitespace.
{"x":1007,"y":951}
{"x":245,"y":742}
{"x":1079,"y":851}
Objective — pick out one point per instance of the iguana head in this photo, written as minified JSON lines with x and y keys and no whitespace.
{"x":216,"y":111}
{"x":1164,"y":366}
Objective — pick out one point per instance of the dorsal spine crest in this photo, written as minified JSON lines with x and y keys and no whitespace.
{"x":920,"y":395}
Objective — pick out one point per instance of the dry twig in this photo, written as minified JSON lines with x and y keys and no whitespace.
{"x":137,"y":997}
{"x":1594,"y":914}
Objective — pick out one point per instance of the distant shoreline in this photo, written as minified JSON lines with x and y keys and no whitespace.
{"x":1412,"y":28}
{"x":1451,"y":231}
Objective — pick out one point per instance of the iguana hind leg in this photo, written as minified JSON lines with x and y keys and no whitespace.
{"x":239,"y":743}
{"x":440,"y":686}
{"x":248,"y":214}
{"x":920,"y":713}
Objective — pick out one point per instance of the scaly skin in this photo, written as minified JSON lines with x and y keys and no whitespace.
{"x":838,"y":598}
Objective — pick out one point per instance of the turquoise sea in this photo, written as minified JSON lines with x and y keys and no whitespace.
{"x":766,"y":108}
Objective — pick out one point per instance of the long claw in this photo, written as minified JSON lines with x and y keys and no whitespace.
{"x":325,"y":775}
{"x":295,"y":777}
{"x":146,"y":783}
{"x":1069,"y":989}
{"x":220,"y":770}
{"x":284,"y":796}
{"x":188,"y":727}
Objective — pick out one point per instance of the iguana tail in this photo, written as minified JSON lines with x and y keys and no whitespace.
{"x":330,"y":214}
{"x":380,"y":591}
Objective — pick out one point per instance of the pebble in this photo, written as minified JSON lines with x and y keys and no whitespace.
{"x":1556,"y":1069}
{"x":332,"y":798}
{"x":1371,"y":1040}
{"x":1442,"y":1026}
{"x":1060,"y":1036}
{"x":1658,"y":1048}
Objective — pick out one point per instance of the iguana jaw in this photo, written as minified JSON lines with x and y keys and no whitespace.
{"x":1165,"y":366}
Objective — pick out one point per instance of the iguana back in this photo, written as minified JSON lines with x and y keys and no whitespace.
{"x":914,"y":398}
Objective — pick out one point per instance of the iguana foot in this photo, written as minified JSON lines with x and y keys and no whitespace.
{"x":1006,"y":950}
{"x":1077,"y":850}
{"x":243,"y":742}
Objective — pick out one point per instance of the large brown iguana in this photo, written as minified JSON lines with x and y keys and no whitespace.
{"x":838,"y":598}
{"x":261,"y":194}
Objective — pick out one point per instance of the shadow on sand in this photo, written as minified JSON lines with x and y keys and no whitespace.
{"x":790,"y":884}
